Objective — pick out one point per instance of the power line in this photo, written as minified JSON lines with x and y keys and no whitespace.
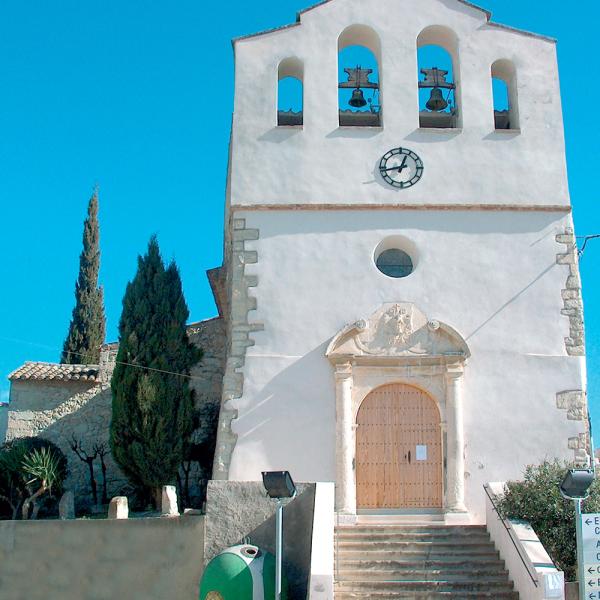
{"x":586,"y":239}
{"x":118,"y":362}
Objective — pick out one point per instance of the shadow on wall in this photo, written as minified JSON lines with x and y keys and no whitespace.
{"x":297,"y":541}
{"x":288,"y":403}
{"x":455,"y":221}
{"x":510,"y":301}
{"x":240,"y":512}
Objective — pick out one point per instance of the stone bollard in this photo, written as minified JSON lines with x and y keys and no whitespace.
{"x":66,"y":506}
{"x":169,"y":501}
{"x":118,"y":508}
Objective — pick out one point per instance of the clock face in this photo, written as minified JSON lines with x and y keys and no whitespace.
{"x":401,"y":168}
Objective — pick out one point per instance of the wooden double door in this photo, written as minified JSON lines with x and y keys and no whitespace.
{"x":399,"y":460}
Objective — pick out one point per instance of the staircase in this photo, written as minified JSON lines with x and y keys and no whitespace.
{"x":418,"y":562}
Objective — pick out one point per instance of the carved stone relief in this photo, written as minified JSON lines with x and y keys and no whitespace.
{"x":398,"y":330}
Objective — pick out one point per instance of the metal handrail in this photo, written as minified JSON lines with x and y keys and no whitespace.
{"x":513,"y":538}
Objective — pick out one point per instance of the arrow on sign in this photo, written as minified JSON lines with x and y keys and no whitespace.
{"x":591,"y":583}
{"x":588,"y":521}
{"x":592,"y":596}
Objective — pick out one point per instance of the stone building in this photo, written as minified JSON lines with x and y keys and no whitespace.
{"x":401,"y":272}
{"x":69,"y":404}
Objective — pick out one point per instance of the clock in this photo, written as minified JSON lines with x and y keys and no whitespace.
{"x":401,"y":168}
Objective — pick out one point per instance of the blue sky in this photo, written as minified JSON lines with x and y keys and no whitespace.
{"x":136,"y":96}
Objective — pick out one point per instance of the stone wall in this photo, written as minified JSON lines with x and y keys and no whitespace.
{"x":137,"y":559}
{"x":240,"y":333}
{"x":62,"y":412}
{"x":207,"y":382}
{"x":571,"y":294}
{"x":3,"y":420}
{"x":66,"y":410}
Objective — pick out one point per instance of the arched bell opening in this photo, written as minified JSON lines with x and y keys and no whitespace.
{"x":290,"y":93}
{"x":359,"y":77}
{"x":504,"y":90}
{"x":439,"y":94}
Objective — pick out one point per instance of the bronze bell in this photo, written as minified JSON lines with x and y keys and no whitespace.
{"x":358,"y":99}
{"x":436,"y":101}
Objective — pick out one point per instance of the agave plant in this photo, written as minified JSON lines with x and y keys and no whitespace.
{"x":43,"y":467}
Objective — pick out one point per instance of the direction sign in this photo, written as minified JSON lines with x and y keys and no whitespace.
{"x":590,"y":530}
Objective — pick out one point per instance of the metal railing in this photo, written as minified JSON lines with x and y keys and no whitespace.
{"x":513,"y":538}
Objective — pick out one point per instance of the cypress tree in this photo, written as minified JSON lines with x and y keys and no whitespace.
{"x":153,"y":404}
{"x":88,"y":323}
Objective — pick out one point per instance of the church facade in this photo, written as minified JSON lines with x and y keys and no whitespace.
{"x":400,"y":283}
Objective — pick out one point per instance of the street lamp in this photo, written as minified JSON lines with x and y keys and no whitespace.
{"x":280,"y":486}
{"x":575,"y":486}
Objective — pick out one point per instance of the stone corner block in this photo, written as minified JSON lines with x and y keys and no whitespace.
{"x":66,"y":506}
{"x":118,"y":508}
{"x":168,"y":506}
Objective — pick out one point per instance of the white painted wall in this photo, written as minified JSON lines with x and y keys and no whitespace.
{"x":492,"y":276}
{"x":320,"y":585}
{"x":323,"y":163}
{"x":489,"y":274}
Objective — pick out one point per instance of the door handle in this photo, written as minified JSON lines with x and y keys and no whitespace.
{"x":409,"y":457}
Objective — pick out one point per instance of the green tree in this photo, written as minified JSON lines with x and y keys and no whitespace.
{"x":88,"y":323}
{"x":537,"y":499}
{"x":153,"y":404}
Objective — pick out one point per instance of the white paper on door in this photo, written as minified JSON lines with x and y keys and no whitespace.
{"x":421,"y":452}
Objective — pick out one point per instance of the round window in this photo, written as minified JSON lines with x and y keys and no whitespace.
{"x":395,"y":263}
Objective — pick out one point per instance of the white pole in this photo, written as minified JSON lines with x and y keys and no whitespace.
{"x":579,"y":538}
{"x":278,"y":548}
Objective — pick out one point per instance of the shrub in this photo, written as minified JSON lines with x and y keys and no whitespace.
{"x":537,"y":499}
{"x":18,"y":472}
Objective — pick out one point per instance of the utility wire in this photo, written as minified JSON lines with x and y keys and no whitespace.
{"x":118,"y":362}
{"x":586,"y":239}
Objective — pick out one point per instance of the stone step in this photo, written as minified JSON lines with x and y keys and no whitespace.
{"x":419,"y":562}
{"x":392,"y":587}
{"x":425,"y":553}
{"x":448,"y":547}
{"x":411,"y":574}
{"x":401,"y":519}
{"x":403,"y":562}
{"x":397,"y":536}
{"x":479,"y":595}
{"x":459,"y":529}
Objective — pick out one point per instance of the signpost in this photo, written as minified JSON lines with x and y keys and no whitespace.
{"x":588,"y":552}
{"x":575,"y":486}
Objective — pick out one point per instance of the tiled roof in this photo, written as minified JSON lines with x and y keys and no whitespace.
{"x":42,"y":371}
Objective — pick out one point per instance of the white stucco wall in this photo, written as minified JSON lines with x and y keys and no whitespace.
{"x":492,"y":276}
{"x":325,"y":164}
{"x":307,"y":208}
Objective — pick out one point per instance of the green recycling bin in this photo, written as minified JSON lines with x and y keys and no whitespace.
{"x":242,"y":572}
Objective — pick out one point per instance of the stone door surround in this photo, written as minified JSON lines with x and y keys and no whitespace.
{"x":398,"y":344}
